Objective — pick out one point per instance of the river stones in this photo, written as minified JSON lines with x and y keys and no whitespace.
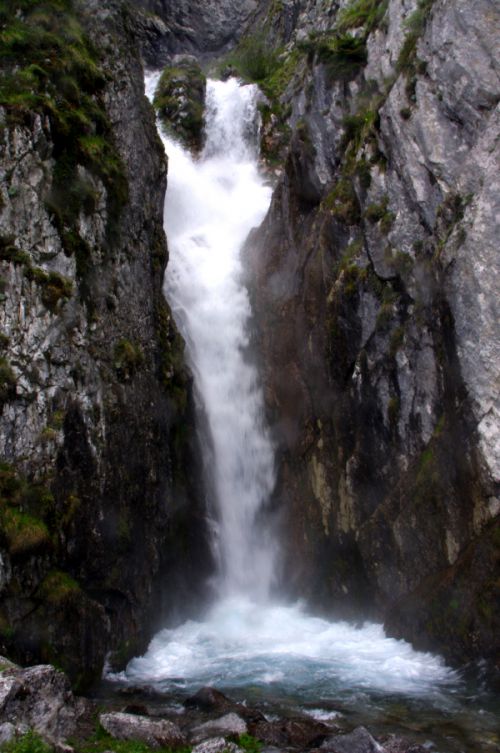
{"x":358,"y":741}
{"x":229,"y":724}
{"x":210,"y":699}
{"x":155,"y":733}
{"x":300,"y":733}
{"x":217,"y":745}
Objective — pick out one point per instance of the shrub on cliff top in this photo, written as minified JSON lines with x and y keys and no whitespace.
{"x":254,"y":59}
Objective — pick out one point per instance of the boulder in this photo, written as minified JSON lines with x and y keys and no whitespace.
{"x":229,"y":724}
{"x":211,"y":699}
{"x":300,"y":733}
{"x":216,"y":745}
{"x":358,"y":741}
{"x":39,"y":698}
{"x":155,"y":733}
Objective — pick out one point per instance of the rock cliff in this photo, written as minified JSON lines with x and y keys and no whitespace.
{"x":376,"y":299}
{"x":97,"y":510}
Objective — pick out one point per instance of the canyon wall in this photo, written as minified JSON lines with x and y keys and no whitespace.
{"x":376,"y":299}
{"x":101,"y":522}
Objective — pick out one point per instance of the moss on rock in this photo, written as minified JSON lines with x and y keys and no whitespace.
{"x":180,"y":101}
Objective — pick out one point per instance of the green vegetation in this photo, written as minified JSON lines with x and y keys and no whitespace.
{"x":7,"y":381}
{"x":254,"y":59}
{"x":415,"y":26}
{"x":31,"y":742}
{"x":342,"y":54}
{"x":128,"y":357}
{"x":342,"y":202}
{"x":379,"y":214}
{"x":9,"y":252}
{"x":57,"y":587}
{"x":101,"y":741}
{"x":363,"y":13}
{"x":54,"y":286}
{"x":393,"y":409}
{"x":48,"y":66}
{"x":23,"y":532}
{"x":25,"y":509}
{"x":249,"y":744}
{"x":172,"y":369}
{"x":180,"y":102}
{"x":397,"y":340}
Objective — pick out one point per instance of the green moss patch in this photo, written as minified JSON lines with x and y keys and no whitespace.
{"x":54,"y":287}
{"x":343,"y":203}
{"x":25,"y":510}
{"x":58,"y":587}
{"x":23,"y":532}
{"x":128,"y":357}
{"x":7,"y":381}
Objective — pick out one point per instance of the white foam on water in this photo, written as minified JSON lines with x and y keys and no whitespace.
{"x":241,"y":642}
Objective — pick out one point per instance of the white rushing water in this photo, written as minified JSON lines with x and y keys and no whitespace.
{"x":212,"y":204}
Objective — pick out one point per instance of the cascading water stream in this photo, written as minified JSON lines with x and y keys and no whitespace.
{"x":246,"y":639}
{"x":211,"y":206}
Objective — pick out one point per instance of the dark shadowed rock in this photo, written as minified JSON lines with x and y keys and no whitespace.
{"x":300,"y":733}
{"x":209,"y":699}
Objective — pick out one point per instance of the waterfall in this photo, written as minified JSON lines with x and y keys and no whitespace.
{"x":248,"y":638}
{"x":212,"y":204}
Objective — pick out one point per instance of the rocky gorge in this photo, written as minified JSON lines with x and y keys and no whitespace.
{"x":374,"y":286}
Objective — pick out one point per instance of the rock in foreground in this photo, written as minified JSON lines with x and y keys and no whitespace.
{"x":155,"y":733}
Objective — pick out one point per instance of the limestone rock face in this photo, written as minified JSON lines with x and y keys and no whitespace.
{"x":93,"y":392}
{"x":377,"y":305}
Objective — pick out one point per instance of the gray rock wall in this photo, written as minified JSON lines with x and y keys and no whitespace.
{"x":377,"y":302}
{"x":101,"y":525}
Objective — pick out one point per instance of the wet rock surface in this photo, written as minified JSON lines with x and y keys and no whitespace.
{"x":375,"y":306}
{"x":93,"y":391}
{"x":39,"y":699}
